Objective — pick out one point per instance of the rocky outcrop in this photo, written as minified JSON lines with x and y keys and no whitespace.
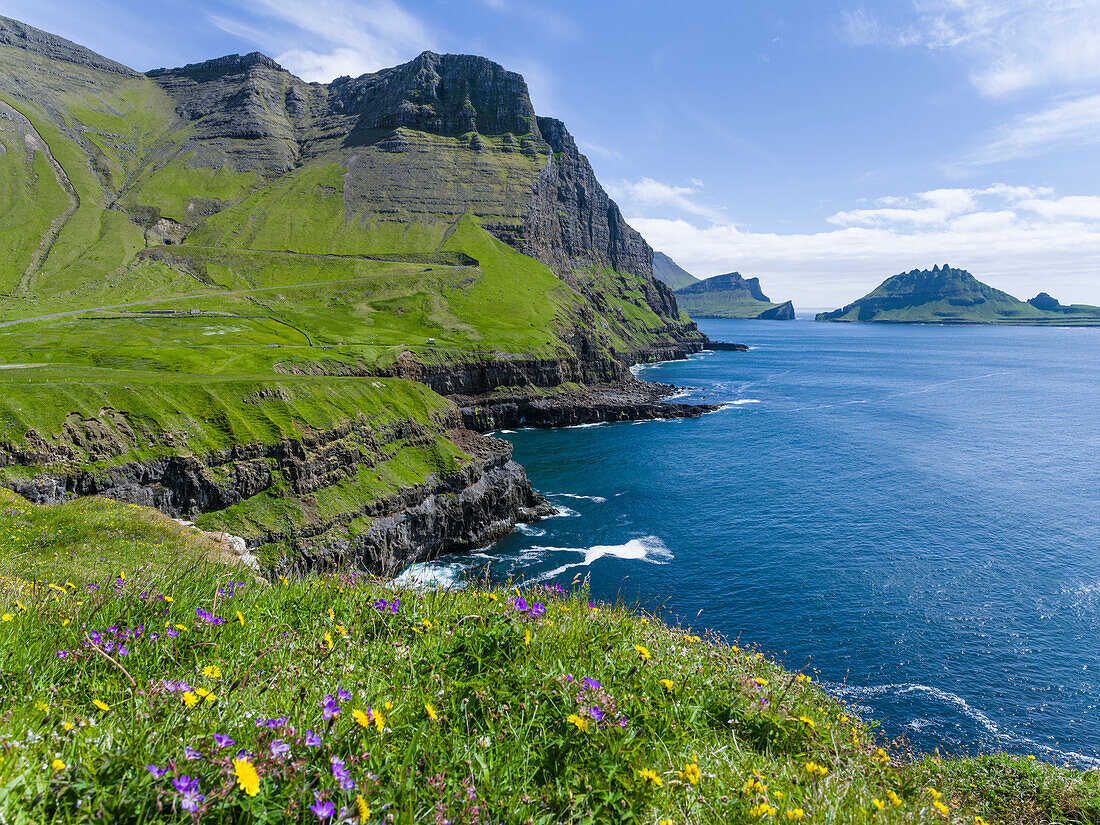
{"x":36,"y":41}
{"x":783,"y":312}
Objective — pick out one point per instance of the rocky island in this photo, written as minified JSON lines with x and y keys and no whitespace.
{"x":732,"y":296}
{"x":944,"y":295}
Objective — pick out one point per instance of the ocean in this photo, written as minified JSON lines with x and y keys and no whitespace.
{"x":910,"y":513}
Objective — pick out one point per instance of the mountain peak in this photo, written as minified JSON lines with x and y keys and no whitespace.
{"x":229,"y":62}
{"x":21,"y":36}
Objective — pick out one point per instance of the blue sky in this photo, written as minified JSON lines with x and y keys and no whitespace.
{"x":821,"y":145}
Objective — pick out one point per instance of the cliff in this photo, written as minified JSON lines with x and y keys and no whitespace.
{"x":944,"y":295}
{"x":671,"y":273}
{"x":732,"y":296}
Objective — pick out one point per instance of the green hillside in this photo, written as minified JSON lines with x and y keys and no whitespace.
{"x":731,"y":296}
{"x":954,"y":296}
{"x":151,"y":677}
{"x":670,"y":272}
{"x":226,"y":231}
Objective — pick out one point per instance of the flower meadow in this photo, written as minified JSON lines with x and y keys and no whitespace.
{"x":143,"y":682}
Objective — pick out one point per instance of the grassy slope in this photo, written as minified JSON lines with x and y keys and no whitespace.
{"x":723,"y":305}
{"x":483,"y":714}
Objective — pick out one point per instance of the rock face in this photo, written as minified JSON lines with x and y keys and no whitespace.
{"x":1046,"y":302}
{"x":20,"y":35}
{"x":732,"y":296}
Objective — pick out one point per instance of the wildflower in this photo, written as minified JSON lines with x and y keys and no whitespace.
{"x":939,"y":806}
{"x":795,"y":814}
{"x":247,"y":777}
{"x":211,"y":672}
{"x":329,"y":708}
{"x":519,"y":603}
{"x":343,"y":631}
{"x":362,"y":808}
{"x":157,"y":772}
{"x":222,"y":741}
{"x":8,"y":617}
{"x":42,"y":706}
{"x":979,"y":821}
{"x":808,"y":721}
{"x":342,"y":694}
{"x":595,"y":713}
{"x":169,"y":599}
{"x":58,"y":765}
{"x":664,"y":822}
{"x":649,"y":775}
{"x":932,"y":792}
{"x":643,"y":651}
{"x":331,"y":615}
{"x":802,"y":677}
{"x":362,"y":718}
{"x":667,"y":684}
{"x":878,"y":803}
{"x":580,"y":722}
{"x":323,"y":809}
{"x":189,"y":792}
{"x":341,"y":774}
{"x":537,"y":609}
{"x":762,"y":810}
{"x":431,"y":711}
{"x":103,"y":706}
{"x":527,"y":638}
{"x":814,"y":769}
{"x":240,"y":618}
{"x":590,"y":683}
{"x":312,"y":740}
{"x":203,"y":693}
{"x":190,"y":753}
{"x":427,"y":624}
{"x":895,"y":800}
{"x":328,"y":641}
{"x":190,"y":699}
{"x":760,"y":682}
{"x":691,"y":773}
{"x":279,"y":749}
{"x":379,"y":719}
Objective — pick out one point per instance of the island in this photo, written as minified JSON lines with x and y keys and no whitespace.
{"x":944,"y":295}
{"x":731,"y":296}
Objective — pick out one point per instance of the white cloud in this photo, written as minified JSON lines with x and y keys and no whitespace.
{"x":1069,"y":122}
{"x":1020,"y":239}
{"x":590,"y":148}
{"x":649,"y":192}
{"x":341,"y":36}
{"x":1010,"y":45}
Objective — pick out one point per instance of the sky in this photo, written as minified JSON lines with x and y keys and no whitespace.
{"x":822,"y":145}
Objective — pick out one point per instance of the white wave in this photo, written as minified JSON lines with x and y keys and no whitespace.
{"x":561,"y":511}
{"x":684,"y":393}
{"x":528,"y":530}
{"x":648,"y":549}
{"x":431,"y":575}
{"x":597,"y":499}
{"x":919,"y":724}
{"x":741,"y":401}
{"x":583,"y":426}
{"x":508,"y":431}
{"x":855,"y":692}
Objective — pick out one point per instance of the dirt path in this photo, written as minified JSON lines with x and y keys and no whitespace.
{"x":58,"y":223}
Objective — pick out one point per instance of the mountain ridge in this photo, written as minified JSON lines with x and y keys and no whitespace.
{"x":731,"y":295}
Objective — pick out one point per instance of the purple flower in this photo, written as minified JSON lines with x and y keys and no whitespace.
{"x":341,"y":774}
{"x":538,"y":609}
{"x":591,"y":606}
{"x":591,"y":683}
{"x":274,"y":724}
{"x":171,"y":633}
{"x":329,"y":708}
{"x":342,"y":694}
{"x":61,"y":654}
{"x":312,"y":739}
{"x":122,"y":651}
{"x":323,"y":808}
{"x":184,"y":783}
{"x":190,"y":753}
{"x":155,"y":771}
{"x":596,"y":713}
{"x":519,"y":603}
{"x":622,"y":722}
{"x":223,"y":741}
{"x":279,"y":749}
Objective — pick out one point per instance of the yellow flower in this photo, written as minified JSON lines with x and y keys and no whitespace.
{"x":802,"y":677}
{"x":667,"y":684}
{"x":580,"y":722}
{"x":691,"y":773}
{"x":8,"y":617}
{"x":203,"y":693}
{"x":760,"y":681}
{"x":42,"y":706}
{"x":362,"y":718}
{"x":331,"y":615}
{"x":694,"y":639}
{"x":122,"y":574}
{"x":527,"y":638}
{"x":664,"y":822}
{"x":212,"y":672}
{"x":58,"y":765}
{"x":932,"y":792}
{"x":169,"y":599}
{"x":328,"y":641}
{"x":247,"y":777}
{"x":190,"y":699}
{"x":814,"y":769}
{"x":343,"y":631}
{"x":388,"y":706}
{"x":895,"y":800}
{"x":99,"y":703}
{"x":362,"y":808}
{"x":181,"y":627}
{"x":643,"y":651}
{"x":795,"y":814}
{"x":283,"y":579}
{"x":379,"y":719}
{"x":939,"y":806}
{"x":240,"y":618}
{"x":68,"y":725}
{"x":979,"y":821}
{"x":427,"y":623}
{"x":431,"y":711}
{"x":649,"y":775}
{"x":762,"y":810}
{"x":807,"y":720}
{"x":878,"y":803}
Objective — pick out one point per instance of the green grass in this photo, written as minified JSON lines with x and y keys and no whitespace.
{"x":481,"y":711}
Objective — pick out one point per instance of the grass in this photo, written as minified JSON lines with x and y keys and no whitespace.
{"x":478,"y":705}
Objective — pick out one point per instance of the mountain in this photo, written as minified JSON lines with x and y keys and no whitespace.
{"x":731,"y":296}
{"x":667,"y":270}
{"x":278,"y":308}
{"x":943,"y":295}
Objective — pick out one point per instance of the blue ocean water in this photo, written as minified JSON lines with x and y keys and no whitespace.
{"x":911,"y":510}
